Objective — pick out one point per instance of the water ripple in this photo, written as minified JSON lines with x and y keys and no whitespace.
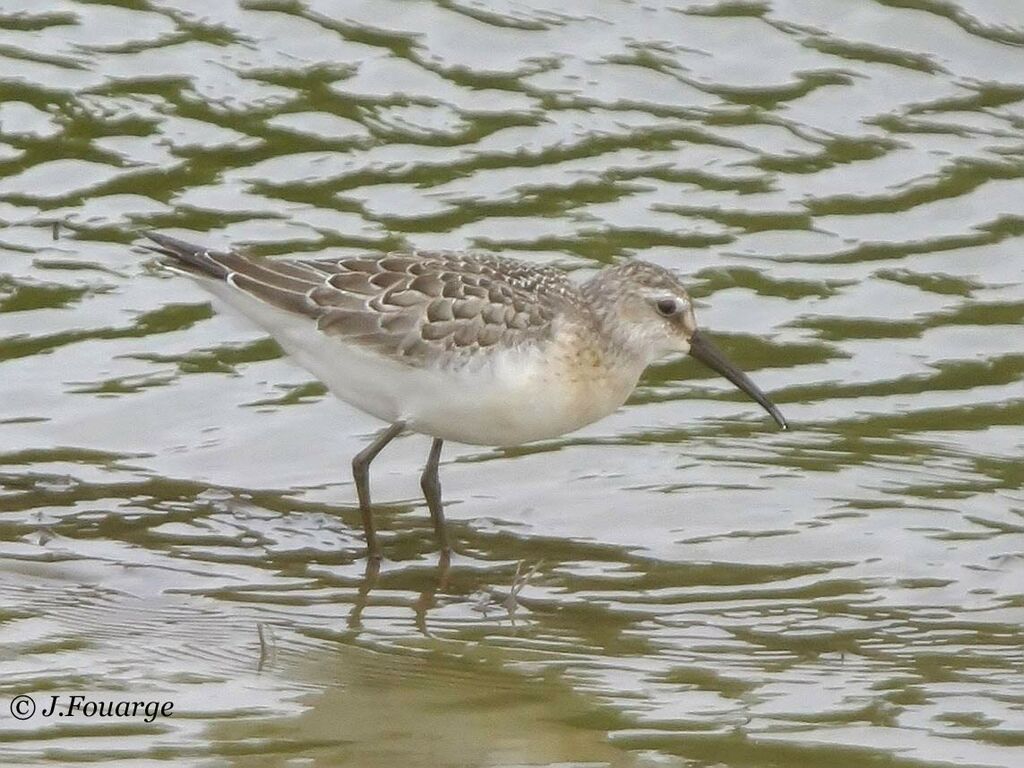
{"x":840,"y":182}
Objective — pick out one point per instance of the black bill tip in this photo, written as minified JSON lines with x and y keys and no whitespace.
{"x":702,"y":348}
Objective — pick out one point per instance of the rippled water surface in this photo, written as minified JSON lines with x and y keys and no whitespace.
{"x":842,"y":184}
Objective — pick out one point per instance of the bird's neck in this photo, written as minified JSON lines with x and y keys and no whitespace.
{"x":621,"y":342}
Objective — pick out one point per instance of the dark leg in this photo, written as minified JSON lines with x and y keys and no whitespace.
{"x":361,"y":473}
{"x":432,"y":493}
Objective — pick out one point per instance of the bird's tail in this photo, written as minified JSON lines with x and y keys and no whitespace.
{"x":188,"y":257}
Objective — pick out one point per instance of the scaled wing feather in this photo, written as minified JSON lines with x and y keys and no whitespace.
{"x":414,"y":307}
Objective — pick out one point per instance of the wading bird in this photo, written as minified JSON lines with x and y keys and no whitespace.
{"x":475,"y":348}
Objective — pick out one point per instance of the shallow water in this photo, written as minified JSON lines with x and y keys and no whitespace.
{"x":841,"y":183}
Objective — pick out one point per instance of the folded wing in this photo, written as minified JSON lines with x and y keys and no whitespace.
{"x":414,"y":307}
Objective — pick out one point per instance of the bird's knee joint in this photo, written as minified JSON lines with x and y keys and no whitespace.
{"x":429,"y":482}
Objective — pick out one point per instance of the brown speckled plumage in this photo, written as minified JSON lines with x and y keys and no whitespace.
{"x":410,"y":306}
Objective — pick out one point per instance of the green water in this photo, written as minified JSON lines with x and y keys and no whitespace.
{"x":840,"y":181}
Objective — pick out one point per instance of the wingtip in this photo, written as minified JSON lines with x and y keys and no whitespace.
{"x":166,"y":241}
{"x":192,"y":258}
{"x":162,"y":242}
{"x":150,"y":234}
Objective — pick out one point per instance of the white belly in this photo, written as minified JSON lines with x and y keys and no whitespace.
{"x":513,"y":398}
{"x":510,"y":398}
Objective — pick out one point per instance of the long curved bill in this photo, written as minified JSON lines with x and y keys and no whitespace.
{"x":704,"y":350}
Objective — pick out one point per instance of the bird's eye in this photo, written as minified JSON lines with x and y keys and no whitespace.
{"x":666,"y":307}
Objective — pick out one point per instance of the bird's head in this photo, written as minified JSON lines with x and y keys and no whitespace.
{"x":647,"y":310}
